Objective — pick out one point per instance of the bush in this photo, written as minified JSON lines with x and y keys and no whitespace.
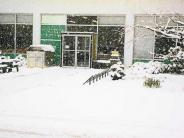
{"x":152,"y":67}
{"x":152,"y":83}
{"x":117,"y":71}
{"x":175,"y":60}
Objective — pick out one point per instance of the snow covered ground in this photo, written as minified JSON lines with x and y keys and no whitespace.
{"x":53,"y":103}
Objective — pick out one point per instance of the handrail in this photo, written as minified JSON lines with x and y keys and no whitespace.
{"x":97,"y":77}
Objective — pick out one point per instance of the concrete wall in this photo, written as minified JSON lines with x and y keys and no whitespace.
{"x":93,"y":6}
{"x":130,"y":8}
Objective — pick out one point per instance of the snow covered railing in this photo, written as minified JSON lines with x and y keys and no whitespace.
{"x":97,"y":77}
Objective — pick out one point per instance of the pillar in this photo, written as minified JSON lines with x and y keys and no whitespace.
{"x":129,"y":40}
{"x":36,"y":28}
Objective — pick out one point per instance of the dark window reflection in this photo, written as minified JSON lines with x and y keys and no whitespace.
{"x":110,"y":38}
{"x":82,"y":28}
{"x":162,"y":45}
{"x":68,"y":58}
{"x":24,"y":37}
{"x":83,"y":43}
{"x":82,"y":20}
{"x":7,"y":32}
{"x":82,"y":59}
{"x":69,"y":43}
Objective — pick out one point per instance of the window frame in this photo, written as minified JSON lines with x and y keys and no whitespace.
{"x":15,"y":23}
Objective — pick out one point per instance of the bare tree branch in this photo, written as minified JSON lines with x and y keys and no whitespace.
{"x":176,"y":21}
{"x":167,"y":23}
{"x":163,"y":32}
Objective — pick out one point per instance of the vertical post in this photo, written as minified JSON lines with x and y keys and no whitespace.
{"x":36,"y":28}
{"x":90,"y":50}
{"x":177,"y":34}
{"x":129,"y":40}
{"x":90,"y":81}
{"x":15,"y":36}
{"x":76,"y":45}
{"x":62,"y":50}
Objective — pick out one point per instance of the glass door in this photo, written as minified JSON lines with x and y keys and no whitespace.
{"x":83,"y":55}
{"x":76,"y":50}
{"x":68,"y":55}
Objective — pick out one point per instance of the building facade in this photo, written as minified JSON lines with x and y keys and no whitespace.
{"x":95,"y":28}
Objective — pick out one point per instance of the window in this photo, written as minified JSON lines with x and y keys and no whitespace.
{"x":24,"y":18}
{"x":7,"y":34}
{"x":111,"y":34}
{"x":110,"y":38}
{"x":111,"y":20}
{"x":24,"y":32}
{"x":149,"y":44}
{"x":23,"y":37}
{"x":52,"y":25}
{"x":82,"y":28}
{"x":110,"y":30}
{"x":144,"y":39}
{"x":15,"y":32}
{"x":82,"y":23}
{"x":163,"y":43}
{"x":83,"y":20}
{"x":7,"y":18}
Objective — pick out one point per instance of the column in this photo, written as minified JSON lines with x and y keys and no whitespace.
{"x":36,"y":28}
{"x":129,"y":37}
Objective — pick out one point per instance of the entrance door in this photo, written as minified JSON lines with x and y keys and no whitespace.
{"x":76,"y":50}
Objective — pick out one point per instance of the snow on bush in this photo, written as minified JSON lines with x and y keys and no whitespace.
{"x":117,"y":71}
{"x":175,"y":59}
{"x":152,"y":67}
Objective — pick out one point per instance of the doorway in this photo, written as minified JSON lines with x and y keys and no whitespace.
{"x":76,"y":50}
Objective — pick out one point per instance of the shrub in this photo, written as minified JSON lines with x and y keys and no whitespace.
{"x":175,"y":60}
{"x":152,"y":67}
{"x":152,"y":83}
{"x":117,"y":71}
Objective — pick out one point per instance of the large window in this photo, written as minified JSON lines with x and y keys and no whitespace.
{"x":163,"y":43}
{"x":110,"y":31}
{"x":149,"y":44}
{"x":144,"y":39}
{"x":52,"y":25}
{"x":24,"y":32}
{"x":110,"y":38}
{"x":82,"y":23}
{"x":23,"y":37}
{"x":15,"y":32}
{"x":85,"y":20}
{"x":7,"y":33}
{"x":111,"y":34}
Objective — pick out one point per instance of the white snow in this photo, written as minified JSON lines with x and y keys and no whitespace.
{"x":18,"y":60}
{"x":152,"y":67}
{"x":163,"y":32}
{"x":3,"y":65}
{"x":180,"y":22}
{"x":44,"y":47}
{"x":103,"y":61}
{"x":53,"y":103}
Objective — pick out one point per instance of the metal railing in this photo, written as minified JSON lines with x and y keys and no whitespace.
{"x":97,"y":77}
